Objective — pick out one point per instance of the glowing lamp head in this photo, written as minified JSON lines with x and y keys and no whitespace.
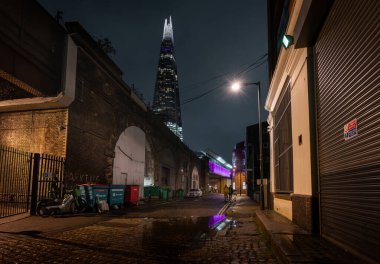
{"x":235,"y":87}
{"x":287,"y":41}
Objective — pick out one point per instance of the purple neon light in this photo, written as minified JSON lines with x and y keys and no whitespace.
{"x":217,"y":169}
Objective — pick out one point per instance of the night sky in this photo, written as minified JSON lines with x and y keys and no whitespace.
{"x":214,"y":40}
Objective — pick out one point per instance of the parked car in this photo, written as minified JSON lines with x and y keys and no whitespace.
{"x":194,"y":193}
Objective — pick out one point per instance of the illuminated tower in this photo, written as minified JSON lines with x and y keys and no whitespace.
{"x":166,"y":103}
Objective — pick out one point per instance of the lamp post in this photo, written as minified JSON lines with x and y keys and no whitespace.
{"x":236,"y":87}
{"x":240,"y":184}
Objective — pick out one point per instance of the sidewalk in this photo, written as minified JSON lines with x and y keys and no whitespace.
{"x":26,"y":223}
{"x":290,"y":243}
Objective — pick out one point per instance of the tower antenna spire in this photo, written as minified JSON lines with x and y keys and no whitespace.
{"x":166,"y":101}
{"x":168,"y":29}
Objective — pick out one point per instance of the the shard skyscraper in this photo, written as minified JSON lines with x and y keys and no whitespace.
{"x":166,"y":103}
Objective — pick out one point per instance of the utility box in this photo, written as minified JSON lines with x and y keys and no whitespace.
{"x":131,"y":194}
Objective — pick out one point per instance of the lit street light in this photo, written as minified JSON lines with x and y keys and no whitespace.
{"x":236,"y":87}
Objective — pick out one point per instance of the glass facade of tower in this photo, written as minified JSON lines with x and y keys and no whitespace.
{"x":166,"y":102}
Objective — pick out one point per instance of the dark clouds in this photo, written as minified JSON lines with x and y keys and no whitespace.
{"x":211,"y":37}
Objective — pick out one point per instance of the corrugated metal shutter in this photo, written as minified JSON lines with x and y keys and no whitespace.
{"x":348,"y":78}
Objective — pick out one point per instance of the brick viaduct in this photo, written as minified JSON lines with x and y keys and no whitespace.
{"x":62,"y":95}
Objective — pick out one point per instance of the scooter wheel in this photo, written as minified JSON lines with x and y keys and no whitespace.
{"x":73,"y":208}
{"x":41,"y":211}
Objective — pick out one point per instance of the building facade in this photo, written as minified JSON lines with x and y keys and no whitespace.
{"x":239,"y":173}
{"x":218,"y":171}
{"x":166,"y":101}
{"x":324,"y":120}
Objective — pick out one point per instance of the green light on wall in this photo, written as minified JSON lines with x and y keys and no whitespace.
{"x":287,"y":41}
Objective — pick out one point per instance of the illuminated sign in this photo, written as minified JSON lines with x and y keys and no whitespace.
{"x":218,"y":169}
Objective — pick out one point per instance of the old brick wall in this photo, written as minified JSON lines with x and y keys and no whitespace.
{"x":31,"y":50}
{"x":102,"y":110}
{"x":92,"y":121}
{"x":302,"y":211}
{"x":104,"y":106}
{"x":40,"y":131}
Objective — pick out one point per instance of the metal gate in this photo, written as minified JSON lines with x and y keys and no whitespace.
{"x":14,"y":181}
{"x":26,"y":178}
{"x":47,"y":178}
{"x":348,"y":106}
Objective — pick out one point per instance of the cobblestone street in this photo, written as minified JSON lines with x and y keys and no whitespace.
{"x":141,"y":240}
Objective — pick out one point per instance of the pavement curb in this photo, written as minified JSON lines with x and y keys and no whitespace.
{"x":264,"y":223}
{"x":13,"y":218}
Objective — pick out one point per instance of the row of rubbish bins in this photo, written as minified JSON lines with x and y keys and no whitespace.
{"x":114,"y":195}
{"x":162,"y":193}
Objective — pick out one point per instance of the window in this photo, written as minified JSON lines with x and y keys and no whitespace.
{"x":283,"y":152}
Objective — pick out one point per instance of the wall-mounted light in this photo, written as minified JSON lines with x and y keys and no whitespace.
{"x":287,"y":41}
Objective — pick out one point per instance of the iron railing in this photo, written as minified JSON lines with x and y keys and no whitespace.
{"x":15,"y":179}
{"x":26,"y":178}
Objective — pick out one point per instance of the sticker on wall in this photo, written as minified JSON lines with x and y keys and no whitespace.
{"x":350,"y":129}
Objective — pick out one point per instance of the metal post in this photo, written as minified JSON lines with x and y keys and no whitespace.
{"x":260,"y":142}
{"x":240,"y":184}
{"x":261,"y":150}
{"x":36,"y":168}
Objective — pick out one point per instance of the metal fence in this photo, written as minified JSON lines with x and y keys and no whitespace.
{"x":50,"y":176}
{"x":26,"y":178}
{"x":14,"y":181}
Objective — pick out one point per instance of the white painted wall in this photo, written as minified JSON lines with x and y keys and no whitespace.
{"x":129,"y":161}
{"x":291,"y":67}
{"x":301,"y":126}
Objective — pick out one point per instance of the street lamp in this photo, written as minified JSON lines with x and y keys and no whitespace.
{"x":236,"y":87}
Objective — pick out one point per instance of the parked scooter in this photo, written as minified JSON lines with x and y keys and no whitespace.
{"x":71,"y":203}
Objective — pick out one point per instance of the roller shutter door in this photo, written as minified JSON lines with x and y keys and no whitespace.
{"x":347,"y":56}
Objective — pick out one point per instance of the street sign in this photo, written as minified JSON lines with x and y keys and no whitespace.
{"x":350,"y":129}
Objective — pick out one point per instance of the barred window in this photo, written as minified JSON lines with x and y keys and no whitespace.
{"x":283,"y":152}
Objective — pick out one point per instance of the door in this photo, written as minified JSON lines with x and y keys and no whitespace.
{"x":348,"y":109}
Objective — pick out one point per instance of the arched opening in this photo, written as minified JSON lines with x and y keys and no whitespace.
{"x":194,"y":179}
{"x":129,"y":161}
{"x":167,"y":165}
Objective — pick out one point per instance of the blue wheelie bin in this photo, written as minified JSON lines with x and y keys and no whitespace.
{"x":116,"y":195}
{"x":95,"y":190}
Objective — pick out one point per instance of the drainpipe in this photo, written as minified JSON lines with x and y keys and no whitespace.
{"x":313,"y":141}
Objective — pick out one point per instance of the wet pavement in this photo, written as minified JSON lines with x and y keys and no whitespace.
{"x":294,"y":245}
{"x":126,"y":239}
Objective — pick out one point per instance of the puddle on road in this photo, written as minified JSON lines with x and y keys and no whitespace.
{"x":174,"y":236}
